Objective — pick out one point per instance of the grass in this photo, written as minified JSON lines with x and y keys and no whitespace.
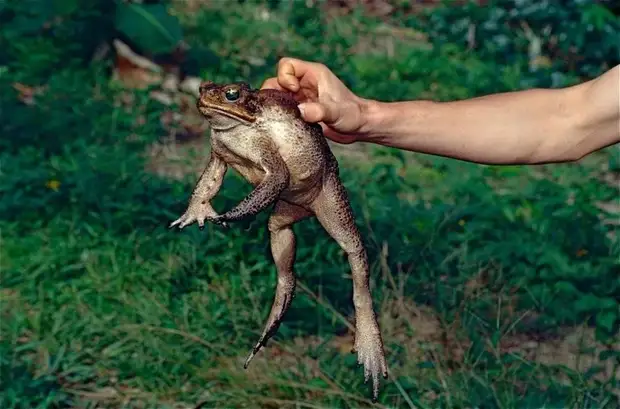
{"x":490,"y":282}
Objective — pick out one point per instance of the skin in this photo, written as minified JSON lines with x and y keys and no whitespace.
{"x":262,"y":135}
{"x":536,"y":126}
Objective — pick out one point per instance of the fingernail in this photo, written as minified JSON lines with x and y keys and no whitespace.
{"x":302,"y":109}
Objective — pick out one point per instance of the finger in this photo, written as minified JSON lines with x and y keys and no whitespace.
{"x":290,"y":70}
{"x":312,"y":111}
{"x":271,"y":83}
{"x":337,"y":136}
{"x":316,"y":112}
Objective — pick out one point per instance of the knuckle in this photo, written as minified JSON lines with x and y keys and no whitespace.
{"x":284,"y":60}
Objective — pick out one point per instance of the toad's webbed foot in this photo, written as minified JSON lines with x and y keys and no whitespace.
{"x":284,"y":295}
{"x":196,"y":212}
{"x":218,"y":220}
{"x":369,"y":348}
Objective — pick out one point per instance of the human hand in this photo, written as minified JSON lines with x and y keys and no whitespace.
{"x":323,"y":98}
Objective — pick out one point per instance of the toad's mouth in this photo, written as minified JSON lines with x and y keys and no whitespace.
{"x":209,"y":110}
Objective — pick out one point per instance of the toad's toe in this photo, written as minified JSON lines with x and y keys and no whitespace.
{"x":370,"y":354}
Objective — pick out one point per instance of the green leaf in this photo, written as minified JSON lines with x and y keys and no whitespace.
{"x":565,"y":288}
{"x":426,"y":365}
{"x":597,"y":15}
{"x":318,"y":382}
{"x":606,"y":320}
{"x":593,"y":371}
{"x":614,"y":159}
{"x":609,"y":354}
{"x":149,"y":26}
{"x":65,"y":7}
{"x":198,"y":58}
{"x":588,"y":303}
{"x":608,"y":302}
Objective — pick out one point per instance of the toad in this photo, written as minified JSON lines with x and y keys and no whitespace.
{"x":262,"y":136}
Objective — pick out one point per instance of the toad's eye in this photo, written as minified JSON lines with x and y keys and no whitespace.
{"x":232,"y":94}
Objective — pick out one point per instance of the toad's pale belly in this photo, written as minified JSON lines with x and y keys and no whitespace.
{"x":299,"y":150}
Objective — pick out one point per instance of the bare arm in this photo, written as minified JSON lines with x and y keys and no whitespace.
{"x":524,"y":127}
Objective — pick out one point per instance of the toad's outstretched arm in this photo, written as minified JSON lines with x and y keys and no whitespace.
{"x":199,"y":208}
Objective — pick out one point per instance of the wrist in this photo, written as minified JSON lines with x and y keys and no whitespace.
{"x":371,"y":118}
{"x":381,"y":121}
{"x":387,"y":123}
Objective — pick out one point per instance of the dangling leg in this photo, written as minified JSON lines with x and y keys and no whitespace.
{"x":333,"y":210}
{"x":283,"y":251}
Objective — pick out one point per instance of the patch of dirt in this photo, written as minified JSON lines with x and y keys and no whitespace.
{"x":577,"y":349}
{"x":177,"y":160}
{"x":420,"y":333}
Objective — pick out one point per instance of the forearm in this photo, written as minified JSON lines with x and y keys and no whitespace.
{"x":525,"y":127}
{"x":210,"y":180}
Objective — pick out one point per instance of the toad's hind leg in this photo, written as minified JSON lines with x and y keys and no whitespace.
{"x":283,"y":251}
{"x":333,"y":210}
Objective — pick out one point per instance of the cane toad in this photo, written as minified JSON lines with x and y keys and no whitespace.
{"x":261,"y":134}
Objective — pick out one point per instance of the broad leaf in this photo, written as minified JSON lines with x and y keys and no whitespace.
{"x":149,"y":27}
{"x":606,"y":320}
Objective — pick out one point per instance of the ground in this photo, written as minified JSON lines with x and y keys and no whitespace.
{"x":496,"y":287}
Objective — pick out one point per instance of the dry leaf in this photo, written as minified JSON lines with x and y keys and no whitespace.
{"x":27,"y":93}
{"x":133,"y":70}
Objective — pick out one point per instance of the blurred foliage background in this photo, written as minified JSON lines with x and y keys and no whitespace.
{"x":497,"y":287}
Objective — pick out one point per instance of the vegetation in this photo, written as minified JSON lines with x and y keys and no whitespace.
{"x":497,"y":287}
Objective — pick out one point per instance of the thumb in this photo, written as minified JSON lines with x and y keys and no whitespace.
{"x":315,"y":112}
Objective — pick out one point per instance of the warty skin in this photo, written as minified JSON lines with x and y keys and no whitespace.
{"x":262,"y":136}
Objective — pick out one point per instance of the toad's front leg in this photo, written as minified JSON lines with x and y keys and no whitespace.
{"x":268,"y":190}
{"x":334,"y":212}
{"x":199,"y":208}
{"x":283,"y":251}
